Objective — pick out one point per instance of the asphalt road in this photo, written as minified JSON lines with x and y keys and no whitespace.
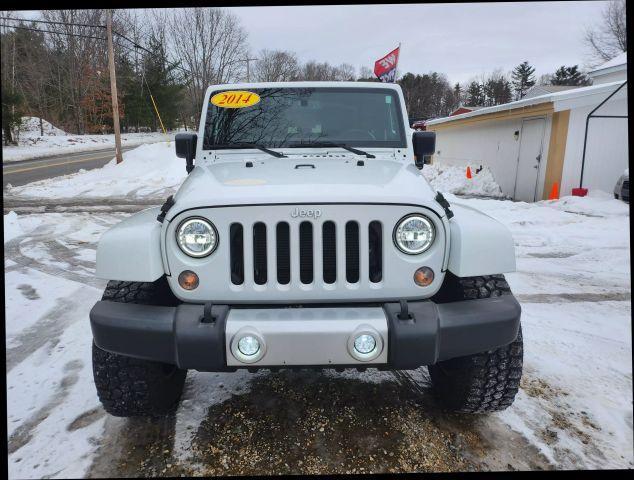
{"x":27,"y":171}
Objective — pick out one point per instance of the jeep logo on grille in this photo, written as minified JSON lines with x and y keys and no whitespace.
{"x":306,"y":213}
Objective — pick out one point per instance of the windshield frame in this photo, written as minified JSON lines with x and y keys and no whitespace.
{"x":400,"y":143}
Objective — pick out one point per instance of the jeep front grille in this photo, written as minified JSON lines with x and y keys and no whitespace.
{"x":300,"y":254}
{"x":329,"y":253}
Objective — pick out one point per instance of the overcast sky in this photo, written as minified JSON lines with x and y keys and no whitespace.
{"x":462,"y":40}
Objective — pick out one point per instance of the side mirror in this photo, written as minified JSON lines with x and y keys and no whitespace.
{"x":186,"y":148}
{"x":424,"y":145}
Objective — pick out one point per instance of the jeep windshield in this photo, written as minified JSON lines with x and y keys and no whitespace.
{"x":307,"y":117}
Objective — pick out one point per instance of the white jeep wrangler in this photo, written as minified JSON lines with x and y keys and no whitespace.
{"x":305,"y":236}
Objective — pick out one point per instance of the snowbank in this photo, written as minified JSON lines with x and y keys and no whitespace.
{"x":55,"y":141}
{"x":453,"y":179}
{"x":30,"y":128}
{"x":147,"y":170}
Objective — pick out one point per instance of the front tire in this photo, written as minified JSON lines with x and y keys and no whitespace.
{"x":484,"y":382}
{"x":129,"y":386}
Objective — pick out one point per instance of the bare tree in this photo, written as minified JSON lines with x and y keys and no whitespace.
{"x":345,"y":72}
{"x":80,"y":54}
{"x":276,"y":66}
{"x":316,"y":71}
{"x":366,"y":74}
{"x":609,"y":38}
{"x":210,"y":44}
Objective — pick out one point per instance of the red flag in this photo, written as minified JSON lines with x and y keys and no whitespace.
{"x":385,"y":68}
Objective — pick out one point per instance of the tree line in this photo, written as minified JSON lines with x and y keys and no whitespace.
{"x":56,"y":68}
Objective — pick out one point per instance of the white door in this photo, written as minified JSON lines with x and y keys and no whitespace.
{"x":531,"y":143}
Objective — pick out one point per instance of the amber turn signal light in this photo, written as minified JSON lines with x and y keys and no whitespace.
{"x":423,"y":276}
{"x":188,"y":280}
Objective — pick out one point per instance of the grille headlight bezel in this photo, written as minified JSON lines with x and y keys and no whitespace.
{"x":211,"y":229}
{"x":396,"y":235}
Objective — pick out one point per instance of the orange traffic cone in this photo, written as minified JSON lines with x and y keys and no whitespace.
{"x":469,"y":173}
{"x":554,"y":192}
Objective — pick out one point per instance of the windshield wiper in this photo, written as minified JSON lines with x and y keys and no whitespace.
{"x":356,"y":151}
{"x":250,"y":145}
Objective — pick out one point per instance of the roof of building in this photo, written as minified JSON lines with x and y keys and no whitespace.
{"x":543,"y":89}
{"x":553,"y":88}
{"x":617,"y":63}
{"x":555,"y":97}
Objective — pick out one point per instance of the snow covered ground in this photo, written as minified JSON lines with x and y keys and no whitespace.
{"x":55,"y":141}
{"x":146,"y":171}
{"x":572,"y":279}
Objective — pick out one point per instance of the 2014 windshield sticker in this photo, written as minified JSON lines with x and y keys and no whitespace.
{"x":235,"y":99}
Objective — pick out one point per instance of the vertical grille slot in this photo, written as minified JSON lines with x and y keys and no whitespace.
{"x":329,"y":251}
{"x":352,"y":252}
{"x":375,"y":236}
{"x":306,"y":252}
{"x":259,"y":253}
{"x":282,"y":235}
{"x":236,"y":253}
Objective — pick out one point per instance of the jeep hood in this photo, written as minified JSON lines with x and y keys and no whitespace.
{"x":304,"y":181}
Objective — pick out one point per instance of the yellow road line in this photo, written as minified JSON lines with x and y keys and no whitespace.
{"x":53,"y":165}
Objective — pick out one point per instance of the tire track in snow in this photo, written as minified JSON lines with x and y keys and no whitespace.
{"x":47,"y":329}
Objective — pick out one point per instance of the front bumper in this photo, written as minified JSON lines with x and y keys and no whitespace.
{"x":305,"y":337}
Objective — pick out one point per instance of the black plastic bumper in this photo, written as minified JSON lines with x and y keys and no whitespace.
{"x":181,"y":335}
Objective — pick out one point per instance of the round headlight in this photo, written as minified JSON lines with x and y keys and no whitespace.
{"x":197,"y":237}
{"x":414,"y":234}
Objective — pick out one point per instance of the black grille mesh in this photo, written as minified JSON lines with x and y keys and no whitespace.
{"x":352,"y":252}
{"x":306,"y":252}
{"x":259,"y":253}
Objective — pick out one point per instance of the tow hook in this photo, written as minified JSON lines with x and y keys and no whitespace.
{"x":444,"y":204}
{"x":404,"y":313}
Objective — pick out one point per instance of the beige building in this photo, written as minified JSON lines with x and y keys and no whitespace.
{"x":558,"y":137}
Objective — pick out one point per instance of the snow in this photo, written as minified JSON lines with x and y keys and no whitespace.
{"x":55,"y":141}
{"x":620,"y":59}
{"x":453,"y":179}
{"x":148,"y":170}
{"x":573,"y":261}
{"x":11,"y":226}
{"x":572,"y":280}
{"x":30,"y":128}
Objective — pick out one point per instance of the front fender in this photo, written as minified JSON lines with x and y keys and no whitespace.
{"x":131,"y":250}
{"x":479,"y":244}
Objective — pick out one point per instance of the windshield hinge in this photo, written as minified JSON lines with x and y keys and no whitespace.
{"x":169,"y":203}
{"x":444,"y":204}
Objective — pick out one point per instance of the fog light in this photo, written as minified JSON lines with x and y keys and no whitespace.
{"x":423,"y":276}
{"x":364,"y":344}
{"x":188,"y":280}
{"x":249,"y":345}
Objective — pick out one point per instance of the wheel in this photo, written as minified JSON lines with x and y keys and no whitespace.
{"x":487,"y":381}
{"x":127,"y":386}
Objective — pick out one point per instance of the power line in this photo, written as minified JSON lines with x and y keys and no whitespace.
{"x":51,"y":31}
{"x":51,"y":22}
{"x":66,"y":24}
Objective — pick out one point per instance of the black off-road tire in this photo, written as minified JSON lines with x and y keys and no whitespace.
{"x":484,"y":382}
{"x":129,"y":387}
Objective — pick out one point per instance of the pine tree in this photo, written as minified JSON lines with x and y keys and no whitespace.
{"x":569,"y":76}
{"x":457,"y":92}
{"x":475,"y":94}
{"x":523,"y":79}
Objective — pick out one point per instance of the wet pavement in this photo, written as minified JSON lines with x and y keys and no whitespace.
{"x":308,"y":422}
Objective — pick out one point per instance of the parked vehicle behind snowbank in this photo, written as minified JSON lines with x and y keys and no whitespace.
{"x":305,"y":236}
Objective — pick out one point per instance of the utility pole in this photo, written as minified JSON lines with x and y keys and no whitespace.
{"x":113,"y":89}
